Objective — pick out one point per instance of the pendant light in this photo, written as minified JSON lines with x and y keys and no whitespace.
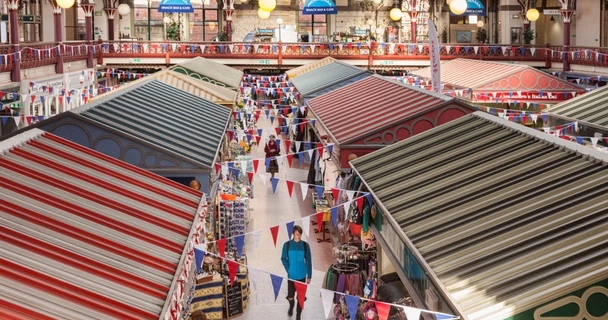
{"x":65,"y":3}
{"x":458,"y":7}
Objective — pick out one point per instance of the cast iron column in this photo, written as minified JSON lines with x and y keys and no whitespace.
{"x":58,"y":36}
{"x":567,"y":12}
{"x":110,"y":9}
{"x":14,"y":25}
{"x":228,"y":11}
{"x":413,"y":17}
{"x":88,"y":6}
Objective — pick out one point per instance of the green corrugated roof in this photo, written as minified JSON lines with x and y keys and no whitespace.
{"x":325,"y":76}
{"x":162,"y":115}
{"x":210,"y":71}
{"x":591,"y":107}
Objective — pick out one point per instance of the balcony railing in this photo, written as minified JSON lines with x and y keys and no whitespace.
{"x":375,"y":53}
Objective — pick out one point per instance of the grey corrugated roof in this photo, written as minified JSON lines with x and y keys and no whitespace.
{"x":506,"y":217}
{"x":162,"y":115}
{"x":326,"y":76}
{"x":591,"y":107}
{"x":210,"y":71}
{"x":85,"y":236}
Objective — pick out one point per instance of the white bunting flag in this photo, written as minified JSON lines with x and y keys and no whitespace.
{"x":532,"y":50}
{"x":284,"y":49}
{"x":231,"y":46}
{"x":391,"y":47}
{"x":256,"y":237}
{"x":306,"y":225}
{"x":575,"y":126}
{"x":202,"y":48}
{"x":17,"y":119}
{"x":254,"y":275}
{"x":302,"y":110}
{"x":309,"y":153}
{"x":115,"y":45}
{"x":328,"y":300}
{"x":255,"y":48}
{"x":173,"y":46}
{"x":304,"y":187}
{"x":346,"y":206}
{"x":340,"y":45}
{"x":475,"y":48}
{"x":448,"y":48}
{"x":504,"y":50}
{"x":350,"y":194}
{"x":264,"y":178}
{"x":420,"y":48}
{"x":412,"y":313}
{"x":594,"y":141}
{"x":534,"y":117}
{"x":298,"y":144}
{"x":145,"y":47}
{"x":244,"y":167}
{"x":312,"y":48}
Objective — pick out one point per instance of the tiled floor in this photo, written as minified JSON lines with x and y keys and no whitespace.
{"x":269,"y":210}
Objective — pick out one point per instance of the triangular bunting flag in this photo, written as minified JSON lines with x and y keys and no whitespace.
{"x":254,"y":275}
{"x":240,"y":242}
{"x":412,"y":313}
{"x":250,"y":176}
{"x":320,"y":220}
{"x":221,"y":247}
{"x":256,"y":162}
{"x":319,"y":190}
{"x":276,"y":285}
{"x":334,"y":215}
{"x":304,"y":188}
{"x":289,"y":187}
{"x":383,"y":310}
{"x":232,"y":269}
{"x":306,"y":225}
{"x":274,"y":231}
{"x":199,"y":255}
{"x":274,"y":182}
{"x":352,"y":302}
{"x":350,"y":194}
{"x":256,"y":238}
{"x":289,"y":226}
{"x":335,"y":193}
{"x":301,"y":290}
{"x":327,"y":297}
{"x":289,"y":160}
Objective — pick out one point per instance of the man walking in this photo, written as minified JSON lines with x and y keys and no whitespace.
{"x":298,"y":264}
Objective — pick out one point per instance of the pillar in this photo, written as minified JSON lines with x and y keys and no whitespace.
{"x":228,"y":11}
{"x":110,"y":9}
{"x":413,"y":17}
{"x":58,"y":35}
{"x":88,"y":6}
{"x":12,"y":6}
{"x":567,"y":12}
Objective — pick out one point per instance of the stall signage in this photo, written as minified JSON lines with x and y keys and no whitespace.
{"x":234,"y":300}
{"x":551,"y":11}
{"x":23,"y":18}
{"x":265,"y":61}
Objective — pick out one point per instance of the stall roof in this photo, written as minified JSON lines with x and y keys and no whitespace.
{"x":159,"y":114}
{"x":309,"y":67}
{"x":505,"y":217}
{"x":370,"y":104}
{"x":210,"y":71}
{"x":327,"y":76}
{"x":85,"y":236}
{"x":591,"y":107}
{"x":180,"y":81}
{"x":496,"y":76}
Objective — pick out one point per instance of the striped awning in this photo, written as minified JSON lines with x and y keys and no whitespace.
{"x":210,"y":71}
{"x":591,"y":107}
{"x":505,"y":218}
{"x":85,"y":236}
{"x":327,"y":76}
{"x":164,"y":116}
{"x":496,"y":76}
{"x":373,"y":103}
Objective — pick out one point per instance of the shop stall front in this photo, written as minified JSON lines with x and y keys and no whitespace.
{"x":589,"y":110}
{"x":303,"y":69}
{"x":210,"y":71}
{"x":484,"y":218}
{"x":502,"y":85}
{"x":374,"y":112}
{"x":151,"y":125}
{"x":327,"y":78}
{"x":87,"y":237}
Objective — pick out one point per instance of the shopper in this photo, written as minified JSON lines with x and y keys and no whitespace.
{"x":272,"y":151}
{"x":298,"y":264}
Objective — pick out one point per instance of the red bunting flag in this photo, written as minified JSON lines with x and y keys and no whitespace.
{"x":217,"y":168}
{"x":302,"y":126}
{"x":289,"y":159}
{"x":29,"y":119}
{"x":256,"y":162}
{"x":274,"y":231}
{"x":359,"y":202}
{"x":382,"y":309}
{"x":221,"y":247}
{"x":289,"y":187}
{"x":230,"y":135}
{"x":250,"y":176}
{"x":277,"y":129}
{"x":320,"y":220}
{"x":287,"y":145}
{"x":33,"y":97}
{"x":232,"y":269}
{"x":335,"y":192}
{"x":320,"y":147}
{"x":257,"y":140}
{"x":301,"y":290}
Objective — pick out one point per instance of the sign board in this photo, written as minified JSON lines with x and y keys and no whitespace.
{"x":23,"y":18}
{"x":319,"y":7}
{"x":182,"y":6}
{"x":551,"y":11}
{"x":234,"y":300}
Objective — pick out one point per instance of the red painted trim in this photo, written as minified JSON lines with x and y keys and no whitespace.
{"x":39,"y":281}
{"x":91,"y":196}
{"x":173,"y":196}
{"x":11,"y":311}
{"x":98,"y":218}
{"x":115,"y":187}
{"x":83,"y":263}
{"x":86,"y":237}
{"x":121,"y":164}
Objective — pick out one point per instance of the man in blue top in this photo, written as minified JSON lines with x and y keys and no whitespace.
{"x":298,"y":264}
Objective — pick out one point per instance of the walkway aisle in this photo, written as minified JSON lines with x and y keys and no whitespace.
{"x":269,"y":210}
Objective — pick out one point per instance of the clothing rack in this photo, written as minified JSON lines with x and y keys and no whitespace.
{"x":345,"y":267}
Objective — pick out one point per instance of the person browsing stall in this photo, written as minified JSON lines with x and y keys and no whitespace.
{"x":298,"y":264}
{"x":272,"y":151}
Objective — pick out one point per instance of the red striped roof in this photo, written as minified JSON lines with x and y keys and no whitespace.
{"x":489,"y":75}
{"x":373,"y":103}
{"x":83,"y":235}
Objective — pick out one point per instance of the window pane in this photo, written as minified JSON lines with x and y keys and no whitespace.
{"x":211,"y":15}
{"x":196,"y":32}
